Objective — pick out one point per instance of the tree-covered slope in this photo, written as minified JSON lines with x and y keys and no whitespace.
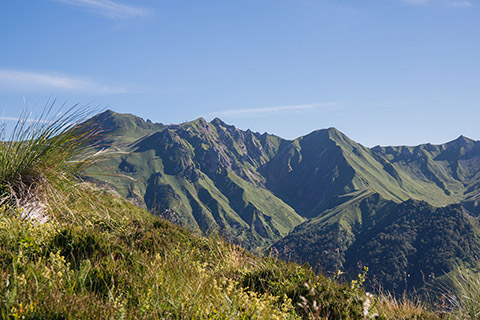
{"x":406,"y":243}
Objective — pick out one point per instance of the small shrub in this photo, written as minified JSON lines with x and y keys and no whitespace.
{"x":76,"y":245}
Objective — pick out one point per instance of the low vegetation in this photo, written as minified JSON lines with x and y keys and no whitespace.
{"x":122,"y":262}
{"x":95,"y":255}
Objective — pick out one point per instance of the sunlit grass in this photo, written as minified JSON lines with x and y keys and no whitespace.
{"x":463,"y":293}
{"x":404,"y":308}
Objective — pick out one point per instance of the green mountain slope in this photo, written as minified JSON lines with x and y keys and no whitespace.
{"x":342,"y":198}
{"x":355,"y":199}
{"x":198,"y":174}
{"x":403,"y":244}
{"x":314,"y":171}
{"x":447,"y":173}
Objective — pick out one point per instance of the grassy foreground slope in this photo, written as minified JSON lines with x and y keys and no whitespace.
{"x":115,"y":260}
{"x":121,"y":262}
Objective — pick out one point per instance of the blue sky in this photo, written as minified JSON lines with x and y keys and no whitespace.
{"x":388,"y":72}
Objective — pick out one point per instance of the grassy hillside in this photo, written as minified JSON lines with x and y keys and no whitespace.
{"x":69,"y":250}
{"x":446,"y":173}
{"x":125,"y":263}
{"x":115,"y":260}
{"x":200,"y":175}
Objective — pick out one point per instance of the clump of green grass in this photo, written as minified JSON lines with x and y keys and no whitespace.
{"x":404,"y":307}
{"x":44,"y":155}
{"x":463,"y":293}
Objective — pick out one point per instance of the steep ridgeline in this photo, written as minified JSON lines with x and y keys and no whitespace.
{"x":439,"y":174}
{"x":201,"y":175}
{"x":362,"y":196}
{"x":315,"y":172}
{"x":344,"y":200}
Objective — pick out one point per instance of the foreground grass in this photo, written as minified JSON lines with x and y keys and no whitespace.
{"x":119,"y":261}
{"x":129,"y":264}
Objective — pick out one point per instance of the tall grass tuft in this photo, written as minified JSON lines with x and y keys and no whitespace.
{"x":464,"y":293}
{"x":404,"y":307}
{"x":43,"y":155}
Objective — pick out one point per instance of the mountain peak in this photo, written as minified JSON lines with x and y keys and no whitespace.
{"x":200,"y":121}
{"x":218,"y":122}
{"x":464,"y":139}
{"x":461,"y":141}
{"x":333,"y":129}
{"x":101,"y":117}
{"x":111,"y":121}
{"x":334,"y":132}
{"x":107,"y":113}
{"x":339,"y":137}
{"x":331,"y":134}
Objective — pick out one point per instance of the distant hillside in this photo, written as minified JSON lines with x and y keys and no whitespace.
{"x":321,"y":198}
{"x":201,"y":175}
{"x":403,"y":244}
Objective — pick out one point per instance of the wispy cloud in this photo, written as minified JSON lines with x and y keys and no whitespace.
{"x":17,"y":119}
{"x":14,"y":80}
{"x":417,"y":2}
{"x":108,"y":8}
{"x":461,"y":4}
{"x":448,"y":3}
{"x":270,"y":110}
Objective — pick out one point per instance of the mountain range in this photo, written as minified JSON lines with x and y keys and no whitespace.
{"x":408,"y":213}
